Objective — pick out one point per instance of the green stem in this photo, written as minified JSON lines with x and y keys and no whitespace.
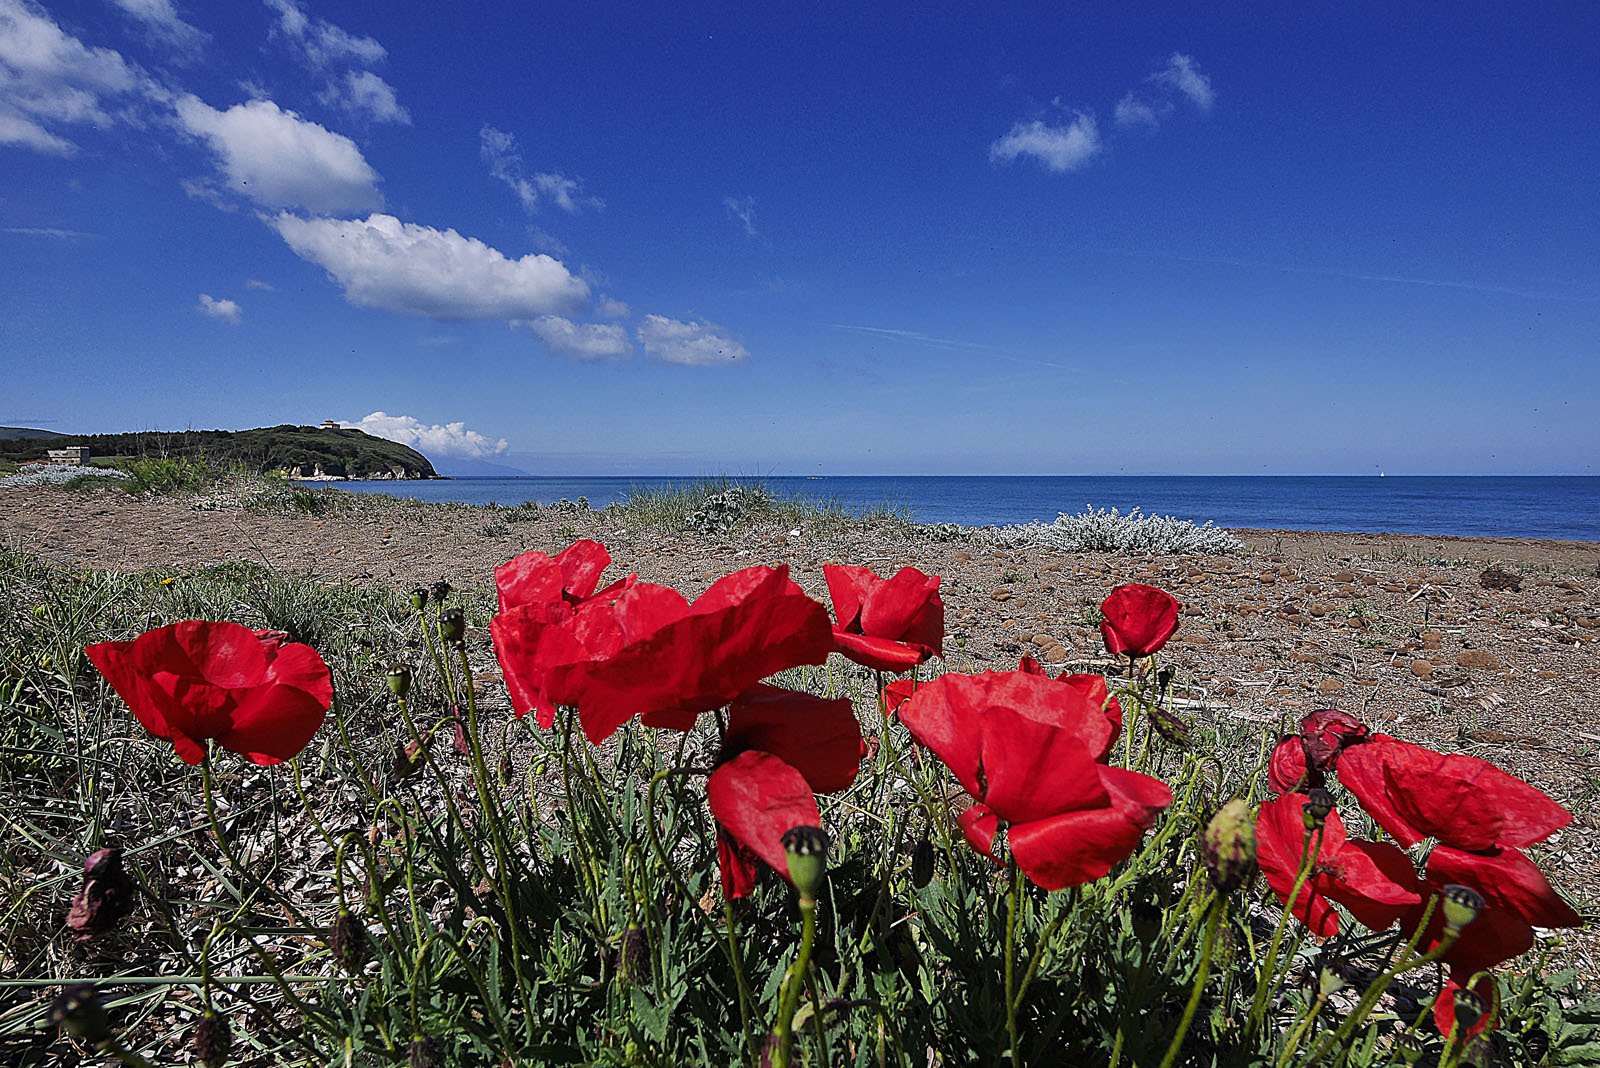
{"x":227,"y":848}
{"x":736,"y":960}
{"x":1219,"y":905}
{"x":1013,"y":904}
{"x":1309,"y":851}
{"x":789,"y":997}
{"x":1293,"y":1045}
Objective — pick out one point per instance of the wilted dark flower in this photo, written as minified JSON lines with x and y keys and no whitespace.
{"x":213,"y":1040}
{"x":633,"y":955}
{"x":407,"y":761}
{"x":922,"y":858}
{"x":439,"y":590}
{"x":78,"y":1011}
{"x":347,"y":943}
{"x":106,"y":897}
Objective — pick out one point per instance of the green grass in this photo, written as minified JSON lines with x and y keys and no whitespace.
{"x":753,"y":501}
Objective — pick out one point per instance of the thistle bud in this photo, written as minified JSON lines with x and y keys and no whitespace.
{"x":808,"y":859}
{"x":922,"y":858}
{"x":213,"y":1040}
{"x":1319,"y":803}
{"x":633,"y":955}
{"x":78,"y":1011}
{"x":426,"y":1052}
{"x":453,"y":625}
{"x":419,"y":597}
{"x":439,"y":591}
{"x":347,"y":943}
{"x":399,"y":679}
{"x":1228,"y":846}
{"x":1461,"y":906}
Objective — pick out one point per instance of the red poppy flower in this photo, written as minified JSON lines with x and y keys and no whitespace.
{"x":898,"y":693}
{"x":1287,"y":769}
{"x":886,"y":624}
{"x":1328,"y":732}
{"x":1138,"y":619}
{"x":571,"y":575}
{"x":780,"y":749}
{"x":256,"y":693}
{"x":1028,"y":750}
{"x":1444,"y":1007}
{"x":1416,"y":793}
{"x":669,"y":660}
{"x":1374,"y":880}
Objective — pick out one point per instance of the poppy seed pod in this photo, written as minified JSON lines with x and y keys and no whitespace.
{"x":78,"y":1011}
{"x":1470,"y":1008}
{"x":1319,"y":803}
{"x":922,"y":863}
{"x":419,"y":597}
{"x":807,"y":848}
{"x":399,"y":679}
{"x":453,"y":625}
{"x":213,"y":1040}
{"x":440,"y":590}
{"x":347,"y":943}
{"x":1228,"y":846}
{"x":1461,"y":906}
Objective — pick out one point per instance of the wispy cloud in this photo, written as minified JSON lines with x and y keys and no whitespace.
{"x":1059,"y":148}
{"x":342,"y":59}
{"x":222,"y":309}
{"x":499,"y":151}
{"x":914,"y":338}
{"x":743,"y":210}
{"x":363,"y":93}
{"x":580,"y":341}
{"x":162,"y":23}
{"x":1183,"y":74}
{"x":44,"y":231}
{"x":1179,"y":79}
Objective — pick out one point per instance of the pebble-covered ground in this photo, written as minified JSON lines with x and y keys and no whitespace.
{"x":1489,"y":646}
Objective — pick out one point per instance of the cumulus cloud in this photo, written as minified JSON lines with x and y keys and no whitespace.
{"x":227,"y":311}
{"x":691,"y":344}
{"x":742,"y":209}
{"x":322,"y":44}
{"x":382,"y":262}
{"x":581,"y":341}
{"x":1059,"y":148}
{"x":437,"y":439}
{"x":280,"y":160}
{"x":499,"y":151}
{"x":363,"y":93}
{"x":1183,"y":74}
{"x":50,"y":79}
{"x":161,"y":21}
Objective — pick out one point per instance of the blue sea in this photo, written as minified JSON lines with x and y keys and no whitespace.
{"x":1523,"y":506}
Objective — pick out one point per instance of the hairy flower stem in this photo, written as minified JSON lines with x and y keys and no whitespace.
{"x":1267,"y":979}
{"x":1219,"y":905}
{"x":736,"y":959}
{"x":1013,"y":905}
{"x":789,"y":996}
{"x":232,"y":857}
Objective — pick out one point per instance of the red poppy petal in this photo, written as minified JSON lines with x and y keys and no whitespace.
{"x":898,"y":693}
{"x":1138,"y":619}
{"x":188,"y":750}
{"x":530,"y":578}
{"x":879,"y":654}
{"x":229,"y":655}
{"x":1508,"y":880}
{"x":581,"y":565}
{"x":757,"y":798}
{"x":529,"y":640}
{"x":1281,"y":843}
{"x":1492,"y":939}
{"x":1287,"y":771}
{"x":1078,"y":847}
{"x":819,"y":738}
{"x":906,"y":607}
{"x":847,"y":586}
{"x":115,"y":661}
{"x":978,"y":826}
{"x":302,"y":667}
{"x":1376,"y":881}
{"x":1094,"y":688}
{"x":274,"y":724}
{"x":737,"y":865}
{"x":1444,"y":1007}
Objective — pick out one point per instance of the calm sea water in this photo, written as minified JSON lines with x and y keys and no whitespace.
{"x":1529,"y":506}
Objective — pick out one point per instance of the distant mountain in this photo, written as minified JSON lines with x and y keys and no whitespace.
{"x":456,"y":467}
{"x":301,"y":451}
{"x":22,"y":433}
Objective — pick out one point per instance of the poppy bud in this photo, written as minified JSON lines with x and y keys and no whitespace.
{"x":1330,"y":982}
{"x":426,"y":1052}
{"x":922,"y":863}
{"x":78,"y":1011}
{"x":808,"y":859}
{"x":1461,"y":906}
{"x":107,"y":895}
{"x":399,"y":679}
{"x":347,"y":943}
{"x":1146,"y":918}
{"x":1228,"y":846}
{"x":213,"y":1040}
{"x":419,"y":597}
{"x":1319,"y":803}
{"x":505,"y":767}
{"x":633,"y":955}
{"x":439,"y":590}
{"x":453,"y":625}
{"x":1470,"y":1008}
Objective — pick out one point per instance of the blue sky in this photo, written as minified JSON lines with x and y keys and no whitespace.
{"x":694,"y":239}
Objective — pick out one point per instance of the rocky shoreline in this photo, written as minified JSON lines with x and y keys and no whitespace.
{"x":1489,"y":646}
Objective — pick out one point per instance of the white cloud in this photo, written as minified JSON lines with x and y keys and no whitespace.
{"x":499,"y":151}
{"x":227,"y":311}
{"x":1132,"y":111}
{"x":744,"y":210}
{"x":382,"y":262}
{"x":280,"y":160}
{"x":1184,"y":75}
{"x":361,"y":92}
{"x":610,"y":308}
{"x":162,"y":22}
{"x":323,"y":44}
{"x":256,"y":283}
{"x":55,"y":232}
{"x":49,"y":78}
{"x":582,"y":341}
{"x":443,"y":439}
{"x":692,"y":344}
{"x":1059,"y":148}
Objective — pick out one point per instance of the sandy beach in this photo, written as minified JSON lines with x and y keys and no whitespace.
{"x":1404,"y":630}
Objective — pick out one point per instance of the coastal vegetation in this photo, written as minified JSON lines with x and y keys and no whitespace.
{"x":462,"y":842}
